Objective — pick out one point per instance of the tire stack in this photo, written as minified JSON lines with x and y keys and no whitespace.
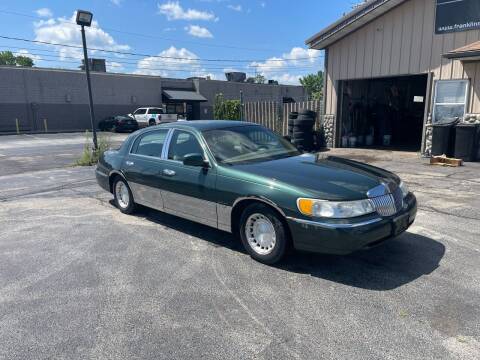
{"x":303,"y":137}
{"x":291,"y":123}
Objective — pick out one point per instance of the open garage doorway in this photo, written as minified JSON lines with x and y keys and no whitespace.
{"x":382,"y":113}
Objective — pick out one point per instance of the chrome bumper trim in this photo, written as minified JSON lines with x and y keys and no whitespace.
{"x":335,"y":226}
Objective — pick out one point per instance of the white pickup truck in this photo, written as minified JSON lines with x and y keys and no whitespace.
{"x":149,"y":116}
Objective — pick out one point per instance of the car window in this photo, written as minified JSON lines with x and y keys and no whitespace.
{"x":140,"y":112}
{"x":243,"y":144}
{"x":155,"y":111}
{"x":183,"y":143}
{"x":150,"y":144}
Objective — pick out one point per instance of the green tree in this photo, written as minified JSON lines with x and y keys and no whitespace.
{"x":7,"y":58}
{"x":260,"y":79}
{"x":24,"y":61}
{"x":313,"y":83}
{"x":226,"y":109}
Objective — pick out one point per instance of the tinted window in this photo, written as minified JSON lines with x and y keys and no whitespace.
{"x":150,"y":144}
{"x":155,"y":111}
{"x":140,"y":112}
{"x":183,"y":143}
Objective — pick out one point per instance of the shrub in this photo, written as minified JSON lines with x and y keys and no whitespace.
{"x":226,"y":109}
{"x":89,"y":155}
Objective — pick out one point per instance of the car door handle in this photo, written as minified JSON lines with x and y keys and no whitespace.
{"x":129,"y":163}
{"x":169,"y":172}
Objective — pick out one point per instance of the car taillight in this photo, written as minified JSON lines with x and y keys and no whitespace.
{"x":159,"y":117}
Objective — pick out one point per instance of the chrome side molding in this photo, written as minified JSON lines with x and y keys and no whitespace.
{"x":335,"y":226}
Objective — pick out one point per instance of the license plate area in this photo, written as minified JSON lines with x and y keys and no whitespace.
{"x":400,"y":224}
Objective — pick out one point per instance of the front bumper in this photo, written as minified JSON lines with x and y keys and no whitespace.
{"x":344,"y":238}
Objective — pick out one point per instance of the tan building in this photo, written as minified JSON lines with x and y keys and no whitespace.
{"x":395,"y":66}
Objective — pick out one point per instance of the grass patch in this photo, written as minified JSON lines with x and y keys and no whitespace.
{"x":90,"y":156}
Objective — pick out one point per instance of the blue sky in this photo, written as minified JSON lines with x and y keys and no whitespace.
{"x":176,"y":38}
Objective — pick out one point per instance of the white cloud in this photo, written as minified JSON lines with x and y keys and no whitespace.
{"x":173,"y":63}
{"x":235,"y":7}
{"x":116,"y":2}
{"x":263,"y":4}
{"x":169,"y":62}
{"x":174,"y":11}
{"x":65,"y":31}
{"x":288,"y":67}
{"x":198,"y":31}
{"x":113,"y":66}
{"x":44,"y":12}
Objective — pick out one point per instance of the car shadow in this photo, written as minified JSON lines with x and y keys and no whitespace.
{"x":390,"y":265}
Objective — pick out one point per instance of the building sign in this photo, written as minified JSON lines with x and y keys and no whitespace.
{"x":457,"y":15}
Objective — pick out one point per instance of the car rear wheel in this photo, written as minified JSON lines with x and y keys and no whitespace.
{"x":151,"y":122}
{"x":263,"y":234}
{"x":123,"y":196}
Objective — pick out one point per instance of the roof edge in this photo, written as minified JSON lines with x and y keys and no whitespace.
{"x":319,"y":41}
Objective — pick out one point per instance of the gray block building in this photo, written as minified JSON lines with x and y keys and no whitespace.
{"x":35,"y":97}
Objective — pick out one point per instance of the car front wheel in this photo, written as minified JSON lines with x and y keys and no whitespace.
{"x":263,"y":234}
{"x":123,"y":196}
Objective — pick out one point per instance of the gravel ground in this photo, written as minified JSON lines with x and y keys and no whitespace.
{"x":79,"y":280}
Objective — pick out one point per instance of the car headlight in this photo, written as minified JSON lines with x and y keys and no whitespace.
{"x":404,"y":188}
{"x":334,"y":209}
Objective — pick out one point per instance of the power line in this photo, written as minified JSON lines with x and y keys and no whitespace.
{"x":16,"y":13}
{"x":136,"y":61}
{"x":113,"y":66}
{"x":144,"y":66}
{"x":154,"y":56}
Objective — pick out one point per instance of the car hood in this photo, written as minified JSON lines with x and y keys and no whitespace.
{"x":324,"y":177}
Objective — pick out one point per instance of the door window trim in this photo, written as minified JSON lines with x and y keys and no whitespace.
{"x":139,"y":138}
{"x":168,"y":141}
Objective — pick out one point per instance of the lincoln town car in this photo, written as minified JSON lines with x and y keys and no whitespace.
{"x":242,"y":178}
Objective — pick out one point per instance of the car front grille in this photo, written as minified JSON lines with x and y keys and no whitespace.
{"x":389,"y":204}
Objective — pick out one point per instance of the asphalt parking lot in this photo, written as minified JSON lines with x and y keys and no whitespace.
{"x":80,"y":280}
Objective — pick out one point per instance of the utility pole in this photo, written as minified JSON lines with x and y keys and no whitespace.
{"x":84,"y":18}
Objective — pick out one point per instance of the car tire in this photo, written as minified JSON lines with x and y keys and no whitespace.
{"x":263,"y":233}
{"x":152,"y":122}
{"x":123,"y":196}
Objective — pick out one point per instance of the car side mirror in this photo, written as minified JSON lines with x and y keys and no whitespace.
{"x":195,"y":160}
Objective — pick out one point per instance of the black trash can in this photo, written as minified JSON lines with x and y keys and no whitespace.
{"x":443,"y":139}
{"x":467,"y":142}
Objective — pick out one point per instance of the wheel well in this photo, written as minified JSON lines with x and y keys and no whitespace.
{"x":111,"y":181}
{"x":151,"y":119}
{"x":242,"y":205}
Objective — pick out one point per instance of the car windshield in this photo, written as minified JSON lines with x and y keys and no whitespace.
{"x":244,"y":144}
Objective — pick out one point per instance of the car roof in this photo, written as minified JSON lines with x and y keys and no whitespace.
{"x":203,"y":125}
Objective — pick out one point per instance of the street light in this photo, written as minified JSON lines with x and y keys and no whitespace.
{"x":84,"y":18}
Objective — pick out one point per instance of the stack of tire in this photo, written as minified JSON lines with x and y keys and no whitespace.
{"x":291,"y":123}
{"x":302,"y":134}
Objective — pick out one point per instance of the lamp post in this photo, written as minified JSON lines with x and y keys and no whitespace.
{"x":84,"y":18}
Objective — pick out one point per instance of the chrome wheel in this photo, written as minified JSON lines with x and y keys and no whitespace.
{"x":260,"y":234}
{"x":122,"y":194}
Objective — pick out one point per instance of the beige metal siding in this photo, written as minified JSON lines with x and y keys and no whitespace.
{"x":401,"y":42}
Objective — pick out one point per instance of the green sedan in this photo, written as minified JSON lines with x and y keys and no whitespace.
{"x":245,"y":179}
